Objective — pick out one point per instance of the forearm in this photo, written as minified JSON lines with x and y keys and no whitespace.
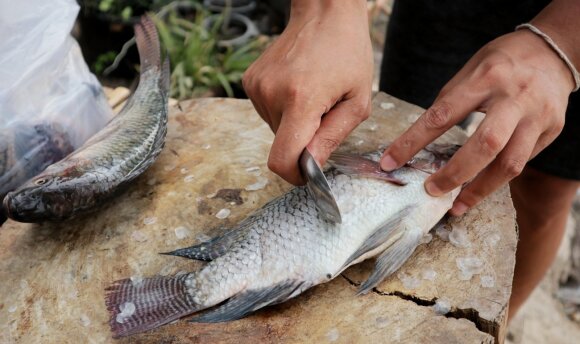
{"x":301,"y":8}
{"x":561,"y":21}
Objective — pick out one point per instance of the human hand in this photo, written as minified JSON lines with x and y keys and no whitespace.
{"x":313,"y":84}
{"x":523,"y":87}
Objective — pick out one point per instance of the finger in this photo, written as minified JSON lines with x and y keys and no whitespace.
{"x":336,"y":125}
{"x":509,"y":164}
{"x":480,"y":149}
{"x":442,"y":115}
{"x":250,"y":88}
{"x":263,"y":114}
{"x":295,"y":132}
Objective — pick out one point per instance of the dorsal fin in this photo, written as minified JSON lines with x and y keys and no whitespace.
{"x":147,"y":44}
{"x":211,"y":249}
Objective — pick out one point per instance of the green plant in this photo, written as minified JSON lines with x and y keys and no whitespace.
{"x":103,"y":60}
{"x":198,"y":64}
{"x":122,"y":9}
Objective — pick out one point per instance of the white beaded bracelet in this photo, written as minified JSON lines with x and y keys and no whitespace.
{"x":559,"y":51}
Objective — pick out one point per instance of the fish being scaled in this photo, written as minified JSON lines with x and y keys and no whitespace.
{"x":286,"y":247}
{"x":26,"y":150}
{"x":117,"y":154}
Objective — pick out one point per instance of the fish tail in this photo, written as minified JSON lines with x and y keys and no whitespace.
{"x":138,"y":306}
{"x":148,"y":44}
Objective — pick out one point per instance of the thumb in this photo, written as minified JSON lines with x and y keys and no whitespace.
{"x":336,"y":125}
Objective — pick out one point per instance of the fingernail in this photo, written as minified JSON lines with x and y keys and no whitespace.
{"x":432,"y":189}
{"x":388,"y":163}
{"x":459,"y":208}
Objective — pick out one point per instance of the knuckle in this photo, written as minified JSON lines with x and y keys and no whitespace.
{"x":247,"y":81}
{"x":329,"y":143}
{"x":295,"y":90}
{"x":265,"y":89}
{"x":558,"y":125}
{"x":497,"y":66}
{"x":444,"y":91}
{"x":472,"y":196}
{"x":438,"y":116}
{"x":361,"y":110}
{"x":490,"y":142}
{"x":453,"y":180}
{"x":449,"y":179}
{"x":276,"y":165}
{"x":512,"y":167}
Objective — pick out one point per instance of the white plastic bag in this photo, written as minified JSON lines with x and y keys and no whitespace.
{"x":50,"y":103}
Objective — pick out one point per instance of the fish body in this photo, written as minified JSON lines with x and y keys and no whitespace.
{"x":286,"y":247}
{"x":117,"y":154}
{"x":26,"y":150}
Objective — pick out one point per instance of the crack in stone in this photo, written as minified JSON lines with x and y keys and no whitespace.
{"x":471,"y":314}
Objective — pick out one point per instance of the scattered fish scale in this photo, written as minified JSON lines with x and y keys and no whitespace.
{"x":285,"y":248}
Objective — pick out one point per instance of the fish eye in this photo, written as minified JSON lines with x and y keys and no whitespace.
{"x":40,"y":181}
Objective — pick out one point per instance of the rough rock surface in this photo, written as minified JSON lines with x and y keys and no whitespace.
{"x":52,"y":276}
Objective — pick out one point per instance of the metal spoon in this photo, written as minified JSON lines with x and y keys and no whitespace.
{"x":319,"y":188}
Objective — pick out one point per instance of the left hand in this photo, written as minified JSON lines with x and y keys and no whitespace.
{"x":523,"y":86}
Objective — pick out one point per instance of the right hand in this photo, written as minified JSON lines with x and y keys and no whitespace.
{"x":322,"y":64}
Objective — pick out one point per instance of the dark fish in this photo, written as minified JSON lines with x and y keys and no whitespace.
{"x":117,"y":154}
{"x":286,"y":247}
{"x":25,"y":151}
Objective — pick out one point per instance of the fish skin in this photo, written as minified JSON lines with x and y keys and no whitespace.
{"x":117,"y":154}
{"x":285,"y":248}
{"x":26,"y":150}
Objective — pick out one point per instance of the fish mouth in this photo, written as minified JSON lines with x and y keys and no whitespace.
{"x":12,"y":210}
{"x":6,"y":206}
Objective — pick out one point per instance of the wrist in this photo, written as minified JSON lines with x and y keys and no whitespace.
{"x":313,"y":8}
{"x":559,"y":20}
{"x":552,"y":54}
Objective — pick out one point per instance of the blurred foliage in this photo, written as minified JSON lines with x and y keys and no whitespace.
{"x":103,"y":60}
{"x":198,"y":64}
{"x":122,"y":10}
{"x":190,"y":36}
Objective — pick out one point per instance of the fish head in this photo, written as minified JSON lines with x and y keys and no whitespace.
{"x":48,"y":196}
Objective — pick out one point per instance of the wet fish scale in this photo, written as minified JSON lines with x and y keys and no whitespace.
{"x":285,"y":247}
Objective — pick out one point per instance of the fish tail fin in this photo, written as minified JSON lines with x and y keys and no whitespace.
{"x":147,"y":44}
{"x":140,"y":306}
{"x":209,"y":250}
{"x":392,"y":259}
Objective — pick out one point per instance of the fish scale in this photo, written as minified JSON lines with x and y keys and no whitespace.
{"x":114,"y":156}
{"x":285,"y":247}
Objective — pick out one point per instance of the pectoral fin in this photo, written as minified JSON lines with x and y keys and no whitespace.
{"x":388,"y":232}
{"x":392,"y":259}
{"x":356,"y":165}
{"x":251,"y":300}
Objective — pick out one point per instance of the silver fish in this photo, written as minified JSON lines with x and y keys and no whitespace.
{"x":117,"y":154}
{"x":285,"y":247}
{"x":26,"y":150}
